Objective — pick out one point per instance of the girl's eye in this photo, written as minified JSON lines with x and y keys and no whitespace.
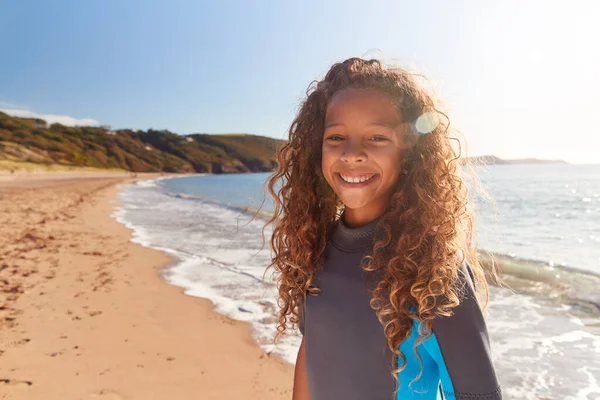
{"x":382,"y":138}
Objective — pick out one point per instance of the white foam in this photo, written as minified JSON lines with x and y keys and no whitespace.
{"x":147,"y":183}
{"x":592,"y":388}
{"x":538,"y":346}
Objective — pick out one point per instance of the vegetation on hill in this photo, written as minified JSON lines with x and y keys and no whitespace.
{"x":33,"y":141}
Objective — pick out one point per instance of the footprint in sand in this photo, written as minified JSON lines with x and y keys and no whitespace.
{"x":15,"y":382}
{"x":108,"y":394}
{"x":19,"y":342}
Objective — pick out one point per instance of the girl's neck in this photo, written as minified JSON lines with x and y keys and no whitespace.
{"x":357,"y":218}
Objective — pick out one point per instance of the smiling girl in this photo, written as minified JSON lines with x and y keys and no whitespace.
{"x":372,"y":234}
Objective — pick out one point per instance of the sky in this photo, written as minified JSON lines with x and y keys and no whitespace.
{"x":518,"y":78}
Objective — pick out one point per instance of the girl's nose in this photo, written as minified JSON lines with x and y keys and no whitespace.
{"x":353,"y":151}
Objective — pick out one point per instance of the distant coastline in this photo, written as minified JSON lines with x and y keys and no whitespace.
{"x":493,"y":160}
{"x":28,"y":144}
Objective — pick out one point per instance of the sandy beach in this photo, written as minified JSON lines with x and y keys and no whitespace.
{"x":84,"y":313}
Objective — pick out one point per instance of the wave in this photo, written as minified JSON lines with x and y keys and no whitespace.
{"x":558,"y":282}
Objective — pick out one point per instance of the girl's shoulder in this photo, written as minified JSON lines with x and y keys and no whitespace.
{"x":466,"y":277}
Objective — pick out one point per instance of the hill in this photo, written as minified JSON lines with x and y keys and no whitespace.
{"x":33,"y":141}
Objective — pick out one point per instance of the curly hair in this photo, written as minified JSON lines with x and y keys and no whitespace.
{"x":425,"y":234}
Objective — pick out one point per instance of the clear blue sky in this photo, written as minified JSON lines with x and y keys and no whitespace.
{"x":519,"y":78}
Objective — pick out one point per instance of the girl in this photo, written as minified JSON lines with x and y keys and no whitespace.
{"x":373,"y":245}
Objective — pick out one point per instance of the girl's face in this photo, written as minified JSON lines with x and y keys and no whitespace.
{"x":363,"y":138}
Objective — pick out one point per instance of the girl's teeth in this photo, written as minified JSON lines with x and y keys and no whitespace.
{"x":357,"y":180}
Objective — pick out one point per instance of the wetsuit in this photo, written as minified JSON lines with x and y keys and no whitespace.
{"x":346,"y":351}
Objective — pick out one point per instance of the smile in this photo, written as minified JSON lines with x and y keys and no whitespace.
{"x":355,"y":182}
{"x":357,"y":179}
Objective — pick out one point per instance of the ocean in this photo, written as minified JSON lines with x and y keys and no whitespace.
{"x":544,"y":330}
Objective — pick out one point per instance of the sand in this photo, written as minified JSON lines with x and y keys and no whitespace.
{"x":84,"y":313}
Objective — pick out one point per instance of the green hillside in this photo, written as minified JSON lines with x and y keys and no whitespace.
{"x":33,"y":141}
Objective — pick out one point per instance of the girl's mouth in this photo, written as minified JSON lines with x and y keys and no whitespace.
{"x":346,"y":184}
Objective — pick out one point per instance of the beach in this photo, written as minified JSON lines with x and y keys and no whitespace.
{"x":84,"y":313}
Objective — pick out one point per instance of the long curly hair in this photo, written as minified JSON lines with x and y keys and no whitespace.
{"x":426,"y":232}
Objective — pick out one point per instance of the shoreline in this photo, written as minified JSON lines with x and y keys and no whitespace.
{"x":89,"y":317}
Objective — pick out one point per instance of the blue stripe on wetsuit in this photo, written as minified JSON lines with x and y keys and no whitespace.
{"x":427,"y":387}
{"x":456,"y":357}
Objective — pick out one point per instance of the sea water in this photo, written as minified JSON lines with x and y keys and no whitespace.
{"x":544,"y":346}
